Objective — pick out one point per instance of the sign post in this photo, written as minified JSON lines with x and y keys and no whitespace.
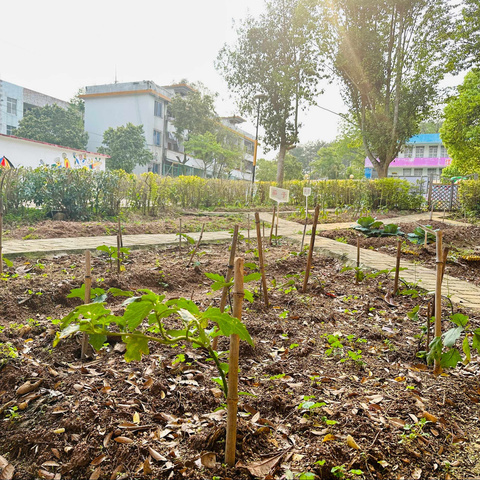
{"x":279,"y":195}
{"x":307,"y":191}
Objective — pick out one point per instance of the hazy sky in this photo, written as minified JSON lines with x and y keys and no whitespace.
{"x":56,"y":47}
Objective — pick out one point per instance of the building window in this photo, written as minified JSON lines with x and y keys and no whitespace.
{"x":157,"y":137}
{"x":407,"y":172}
{"x":408,"y":152}
{"x":417,"y":172}
{"x":432,"y":151}
{"x":431,"y":171}
{"x":11,"y":130}
{"x":443,"y":152}
{"x":419,"y":152}
{"x":12,"y":105}
{"x":158,"y":109}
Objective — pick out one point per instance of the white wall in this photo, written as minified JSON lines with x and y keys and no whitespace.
{"x":30,"y":153}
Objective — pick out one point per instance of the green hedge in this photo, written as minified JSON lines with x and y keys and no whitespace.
{"x":469,"y":195}
{"x":84,"y":194}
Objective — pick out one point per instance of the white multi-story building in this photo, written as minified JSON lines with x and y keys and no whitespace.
{"x":145,"y":103}
{"x":16,"y":101}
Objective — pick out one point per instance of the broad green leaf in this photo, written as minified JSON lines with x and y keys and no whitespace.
{"x":252,"y":277}
{"x":459,"y":319}
{"x":186,"y":315}
{"x":136,"y":347}
{"x":390,"y":228}
{"x":66,"y":332}
{"x":136,"y":312}
{"x":106,"y":249}
{"x":80,"y":292}
{"x":413,"y":314}
{"x":451,"y":358}
{"x":228,"y":324}
{"x":117,"y":292}
{"x":176,"y":333}
{"x":188,"y":305}
{"x":451,"y":336}
{"x":365,"y":221}
{"x":92,"y":310}
{"x":476,"y":339}
{"x":376,"y":225}
{"x":248,"y":295}
{"x":215,"y":277}
{"x":250,"y":265}
{"x":97,"y":341}
{"x":466,"y":349}
{"x":307,"y":476}
{"x":8,"y":262}
{"x":435,"y":351}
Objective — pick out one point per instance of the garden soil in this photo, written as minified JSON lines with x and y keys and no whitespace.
{"x":374,"y":409}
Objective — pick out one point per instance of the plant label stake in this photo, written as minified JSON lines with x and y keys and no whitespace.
{"x":228,"y":276}
{"x":279,"y":195}
{"x":438,"y":298}
{"x":307,"y":191}
{"x":273,"y":223}
{"x":397,"y":266}
{"x":87,"y":299}
{"x":310,"y":251}
{"x":260,"y":258}
{"x":232,"y":396}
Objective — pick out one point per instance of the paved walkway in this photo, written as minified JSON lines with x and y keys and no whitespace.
{"x":460,"y":291}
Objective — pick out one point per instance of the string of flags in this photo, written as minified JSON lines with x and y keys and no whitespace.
{"x":6,"y":163}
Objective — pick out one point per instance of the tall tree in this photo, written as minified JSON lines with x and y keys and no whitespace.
{"x":193,"y":114}
{"x":275,"y":55}
{"x":460,"y":131}
{"x":267,"y":169}
{"x":53,"y":124}
{"x":390,"y":58}
{"x":307,"y":152}
{"x":126,"y":147}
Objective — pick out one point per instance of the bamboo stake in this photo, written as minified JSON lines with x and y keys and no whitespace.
{"x":228,"y":276}
{"x":273,"y":223}
{"x":358,"y":260}
{"x":438,"y":297}
{"x":248,"y":227}
{"x":431,"y":212}
{"x":260,"y":258}
{"x":310,"y":251}
{"x":444,"y":260}
{"x":397,"y":268}
{"x":263,"y":230}
{"x":232,"y":397}
{"x":118,"y":253}
{"x":87,"y":299}
{"x":120,"y":231}
{"x":426,"y":239}
{"x":196,"y":246}
{"x":429,"y":316}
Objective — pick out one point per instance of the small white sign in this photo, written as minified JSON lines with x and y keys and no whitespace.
{"x":280,"y":195}
{"x":307,"y":191}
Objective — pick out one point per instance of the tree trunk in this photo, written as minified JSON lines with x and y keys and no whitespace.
{"x":281,"y":164}
{"x":382,"y":168}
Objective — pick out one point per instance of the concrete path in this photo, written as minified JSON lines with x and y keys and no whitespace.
{"x":460,"y":291}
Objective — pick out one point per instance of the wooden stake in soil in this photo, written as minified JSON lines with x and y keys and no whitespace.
{"x":87,"y":298}
{"x":310,"y":251}
{"x":397,"y":267}
{"x":232,"y":397}
{"x":426,"y":239}
{"x":260,"y":258}
{"x":118,"y":253}
{"x":429,"y":316}
{"x":273,"y":224}
{"x":357,"y":272}
{"x":438,"y":297}
{"x":196,"y":246}
{"x":248,"y":227}
{"x":228,"y":276}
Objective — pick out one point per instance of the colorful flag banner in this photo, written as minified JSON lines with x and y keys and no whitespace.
{"x":6,"y":163}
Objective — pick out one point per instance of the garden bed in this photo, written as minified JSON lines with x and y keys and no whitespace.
{"x":462,"y":241}
{"x":333,"y":383}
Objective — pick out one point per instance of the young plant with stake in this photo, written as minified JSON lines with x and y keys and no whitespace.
{"x":150,"y":318}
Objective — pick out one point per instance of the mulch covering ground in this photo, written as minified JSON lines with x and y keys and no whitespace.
{"x":379,"y":408}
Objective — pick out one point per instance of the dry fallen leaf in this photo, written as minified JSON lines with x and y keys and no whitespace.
{"x":262,"y":467}
{"x":98,"y":460}
{"x":107,"y":439}
{"x":7,"y":469}
{"x":328,"y":438}
{"x":208,"y":460}
{"x":352,"y":443}
{"x":44,"y":474}
{"x":28,"y":387}
{"x":96,"y":474}
{"x":156,"y":456}
{"x":147,"y":469}
{"x":123,"y":440}
{"x":429,"y":417}
{"x":417,"y":473}
{"x":136,"y":417}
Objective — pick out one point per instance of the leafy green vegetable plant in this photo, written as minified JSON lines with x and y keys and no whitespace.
{"x":418,"y":236}
{"x":443,"y":348}
{"x":373,"y":228}
{"x":112,"y":253}
{"x":149,"y":318}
